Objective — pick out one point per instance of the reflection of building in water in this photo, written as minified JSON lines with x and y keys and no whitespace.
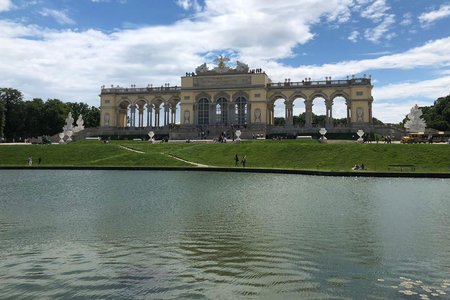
{"x":218,"y":99}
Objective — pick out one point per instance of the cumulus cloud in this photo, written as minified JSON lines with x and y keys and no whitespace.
{"x":381,"y":30}
{"x":59,"y":16}
{"x":71,"y":65}
{"x":189,"y":4}
{"x":353,"y":37}
{"x":5,"y":5}
{"x":432,"y":16}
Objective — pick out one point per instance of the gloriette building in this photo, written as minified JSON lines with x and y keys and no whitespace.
{"x":213,"y":101}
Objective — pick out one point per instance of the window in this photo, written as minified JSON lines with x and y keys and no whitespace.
{"x":221,"y":111}
{"x":359,"y":93}
{"x":203,"y":111}
{"x":241,"y":111}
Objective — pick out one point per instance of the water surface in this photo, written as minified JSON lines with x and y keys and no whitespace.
{"x":157,"y":234}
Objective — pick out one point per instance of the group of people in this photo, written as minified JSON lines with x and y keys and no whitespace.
{"x":243,"y":161}
{"x":359,"y":167}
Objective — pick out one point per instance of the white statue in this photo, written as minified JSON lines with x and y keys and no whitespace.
{"x":79,"y":123}
{"x":201,"y":69}
{"x":414,"y":122}
{"x":241,"y":67}
{"x":187,"y":117}
{"x":359,"y":114}
{"x":69,"y":122}
{"x":257,"y":115}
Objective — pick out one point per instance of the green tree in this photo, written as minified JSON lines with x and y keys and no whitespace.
{"x":12,"y":101}
{"x":92,"y":118}
{"x":2,"y":119}
{"x":33,"y":117}
{"x":91,"y":115}
{"x":436,"y":116}
{"x":279,"y":121}
{"x":53,"y":116}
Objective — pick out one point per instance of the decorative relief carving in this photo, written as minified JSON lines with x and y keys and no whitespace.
{"x":222,"y":81}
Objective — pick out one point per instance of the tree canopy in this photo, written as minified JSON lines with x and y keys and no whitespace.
{"x":21,"y":119}
{"x":437,"y":116}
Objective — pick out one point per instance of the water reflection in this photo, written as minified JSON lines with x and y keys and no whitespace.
{"x":212,"y":235}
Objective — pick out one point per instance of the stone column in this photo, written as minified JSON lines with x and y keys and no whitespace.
{"x":116,"y":121}
{"x":270,"y":116}
{"x":157,"y":108}
{"x":349,"y":111}
{"x":141,"y":116}
{"x":132,"y":115}
{"x":249,"y":113}
{"x":308,"y":113}
{"x":289,"y":114}
{"x":329,"y":117}
{"x":150,"y":108}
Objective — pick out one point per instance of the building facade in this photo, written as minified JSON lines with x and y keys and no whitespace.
{"x":222,"y":98}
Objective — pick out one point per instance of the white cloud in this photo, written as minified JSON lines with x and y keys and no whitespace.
{"x":189,"y":4}
{"x":353,"y":37}
{"x":432,"y":16}
{"x":407,"y":19}
{"x":376,"y":11}
{"x":381,"y":30}
{"x":59,"y":16}
{"x":430,"y":89}
{"x":72,"y":65}
{"x":5,"y":5}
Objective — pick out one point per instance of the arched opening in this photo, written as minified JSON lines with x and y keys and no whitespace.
{"x":319,"y":111}
{"x":123,"y":116}
{"x":279,"y":116}
{"x":240,"y":110}
{"x":339,"y":112}
{"x":156,"y":114}
{"x":298,"y":112}
{"x":222,"y":111}
{"x":203,"y":111}
{"x":140,"y":113}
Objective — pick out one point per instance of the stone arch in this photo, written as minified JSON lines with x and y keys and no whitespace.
{"x":338,"y":112}
{"x":221,"y":108}
{"x":273,"y":109}
{"x":173,"y":107}
{"x":240,"y":94}
{"x":203,"y":95}
{"x":320,"y":110}
{"x":298,"y":108}
{"x":154,"y":111}
{"x":296,"y":95}
{"x":221,"y":94}
{"x":203,"y":111}
{"x":277,"y":96}
{"x":123,"y":112}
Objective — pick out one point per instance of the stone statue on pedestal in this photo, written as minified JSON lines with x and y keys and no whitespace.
{"x":414,"y":122}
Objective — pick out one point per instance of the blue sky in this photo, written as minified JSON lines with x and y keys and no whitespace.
{"x":67,"y":49}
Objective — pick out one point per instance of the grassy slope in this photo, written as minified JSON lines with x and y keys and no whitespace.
{"x":261,"y":154}
{"x":86,"y":153}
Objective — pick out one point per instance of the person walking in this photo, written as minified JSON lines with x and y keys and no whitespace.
{"x":236,"y":160}
{"x":244,"y":160}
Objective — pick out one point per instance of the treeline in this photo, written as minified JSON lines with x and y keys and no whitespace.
{"x":20,"y":119}
{"x":317,"y":120}
{"x":437,"y":116}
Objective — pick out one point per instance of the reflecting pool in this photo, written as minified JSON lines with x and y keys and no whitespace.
{"x":173,"y":234}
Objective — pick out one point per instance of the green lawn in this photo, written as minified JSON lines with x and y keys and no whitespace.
{"x":286,"y":154}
